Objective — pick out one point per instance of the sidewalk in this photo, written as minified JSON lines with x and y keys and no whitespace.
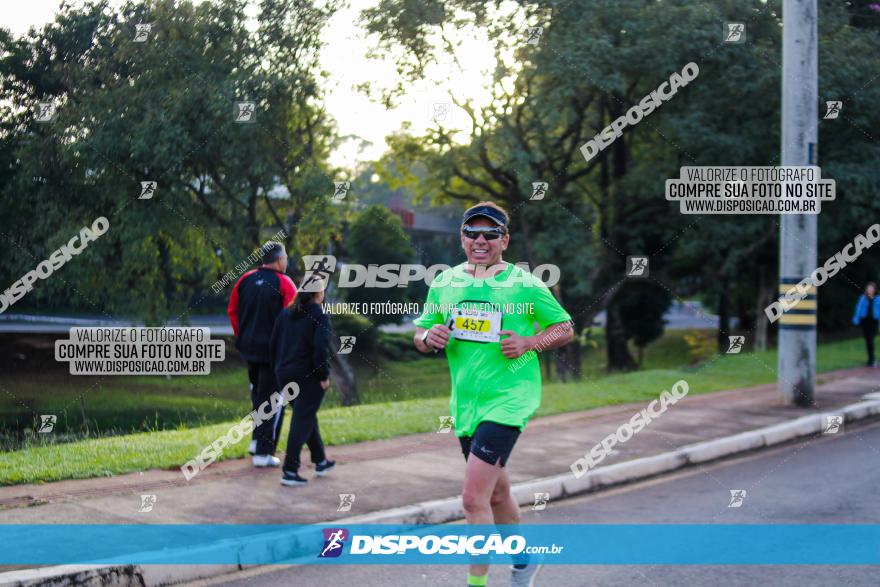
{"x":402,"y":471}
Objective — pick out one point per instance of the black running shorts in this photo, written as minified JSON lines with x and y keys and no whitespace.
{"x":490,"y":443}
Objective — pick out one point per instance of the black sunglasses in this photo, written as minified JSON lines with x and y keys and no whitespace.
{"x":488,"y":232}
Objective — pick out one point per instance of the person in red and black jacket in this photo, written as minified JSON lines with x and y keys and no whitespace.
{"x":257,"y":298}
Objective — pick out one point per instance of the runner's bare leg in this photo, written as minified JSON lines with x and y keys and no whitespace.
{"x":504,"y":507}
{"x":480,"y":480}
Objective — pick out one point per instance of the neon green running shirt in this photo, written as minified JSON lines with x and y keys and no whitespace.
{"x":486,"y":385}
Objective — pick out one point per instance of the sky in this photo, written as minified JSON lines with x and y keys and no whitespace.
{"x":345,"y":58}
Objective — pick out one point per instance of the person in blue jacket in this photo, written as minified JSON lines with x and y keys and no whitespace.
{"x":867,"y":316}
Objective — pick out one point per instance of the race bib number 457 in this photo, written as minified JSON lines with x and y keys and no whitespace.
{"x":476,"y":325}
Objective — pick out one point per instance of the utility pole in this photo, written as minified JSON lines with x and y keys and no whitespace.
{"x":797,"y":232}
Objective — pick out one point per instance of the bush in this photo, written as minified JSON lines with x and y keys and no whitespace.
{"x":359,"y":326}
{"x":376,"y":237}
{"x":398,"y":346}
{"x":702,"y":345}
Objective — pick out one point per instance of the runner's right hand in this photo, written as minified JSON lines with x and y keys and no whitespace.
{"x":438,"y":336}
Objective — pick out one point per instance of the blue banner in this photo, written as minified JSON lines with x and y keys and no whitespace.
{"x":596,"y":544}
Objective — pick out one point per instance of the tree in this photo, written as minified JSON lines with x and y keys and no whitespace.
{"x":164,"y":110}
{"x":375,"y":238}
{"x":593,"y":61}
{"x":642,"y":306}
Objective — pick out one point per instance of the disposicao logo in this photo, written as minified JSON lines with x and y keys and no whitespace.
{"x":334,"y":540}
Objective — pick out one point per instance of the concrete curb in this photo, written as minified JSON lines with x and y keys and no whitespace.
{"x":450,"y":509}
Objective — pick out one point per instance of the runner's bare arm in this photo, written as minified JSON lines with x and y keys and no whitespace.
{"x":554,"y":336}
{"x":438,"y":337}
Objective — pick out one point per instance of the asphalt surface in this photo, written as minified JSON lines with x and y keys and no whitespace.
{"x":832,"y":480}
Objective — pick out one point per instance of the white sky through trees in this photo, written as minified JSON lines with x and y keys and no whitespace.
{"x":362,"y":122}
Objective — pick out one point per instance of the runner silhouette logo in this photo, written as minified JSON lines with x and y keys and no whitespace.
{"x":636,"y":266}
{"x":46,"y":112}
{"x":245,"y":112}
{"x":142,"y":32}
{"x":832,"y":109}
{"x":541,"y":500}
{"x":539,"y":190}
{"x":735,"y":32}
{"x":334,"y":541}
{"x":346,"y":500}
{"x":737,"y":497}
{"x":318,"y":268}
{"x":47,"y":423}
{"x":147,"y":503}
{"x":535,"y":33}
{"x":833,"y":424}
{"x":447,"y":423}
{"x":735,"y":344}
{"x":148,"y":189}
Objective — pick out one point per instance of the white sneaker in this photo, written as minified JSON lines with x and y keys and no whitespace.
{"x":525,"y":577}
{"x":252,"y":447}
{"x":266,"y":461}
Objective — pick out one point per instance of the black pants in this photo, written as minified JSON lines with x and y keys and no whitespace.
{"x":869,"y":331}
{"x":262,"y":386}
{"x":304,"y":424}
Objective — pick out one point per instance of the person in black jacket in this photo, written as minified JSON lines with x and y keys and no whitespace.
{"x":257,"y":299}
{"x":300,"y":348}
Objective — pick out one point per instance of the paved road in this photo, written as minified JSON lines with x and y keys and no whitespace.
{"x":833,"y":479}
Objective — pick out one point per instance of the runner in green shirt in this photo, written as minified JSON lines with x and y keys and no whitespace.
{"x":484,"y":314}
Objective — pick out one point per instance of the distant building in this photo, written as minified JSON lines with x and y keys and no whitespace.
{"x":433,"y":231}
{"x":424,"y":222}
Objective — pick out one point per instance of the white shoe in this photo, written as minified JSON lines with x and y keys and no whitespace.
{"x":252,"y":447}
{"x":525,"y":577}
{"x":266,"y":461}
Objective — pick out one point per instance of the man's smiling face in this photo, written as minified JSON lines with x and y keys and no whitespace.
{"x":480,"y":251}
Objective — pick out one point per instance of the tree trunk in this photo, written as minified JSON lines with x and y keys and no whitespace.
{"x":746,"y":321}
{"x":568,"y":362}
{"x":561,"y":367}
{"x":723,"y":318}
{"x":765,"y":294}
{"x":342,"y":376}
{"x":168,"y":283}
{"x":525,"y":230}
{"x":619,"y":357}
{"x":253,"y":224}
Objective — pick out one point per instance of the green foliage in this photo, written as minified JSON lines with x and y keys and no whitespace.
{"x":398,"y":346}
{"x":702,"y":346}
{"x":376,"y":237}
{"x":162,"y":110}
{"x":642,"y":306}
{"x":595,"y":60}
{"x":359,"y":326}
{"x":169,"y":448}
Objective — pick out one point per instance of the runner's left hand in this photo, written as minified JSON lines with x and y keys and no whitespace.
{"x":514,"y":345}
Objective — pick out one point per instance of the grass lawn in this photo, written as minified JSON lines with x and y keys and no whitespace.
{"x":384,"y":414}
{"x":89,"y":407}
